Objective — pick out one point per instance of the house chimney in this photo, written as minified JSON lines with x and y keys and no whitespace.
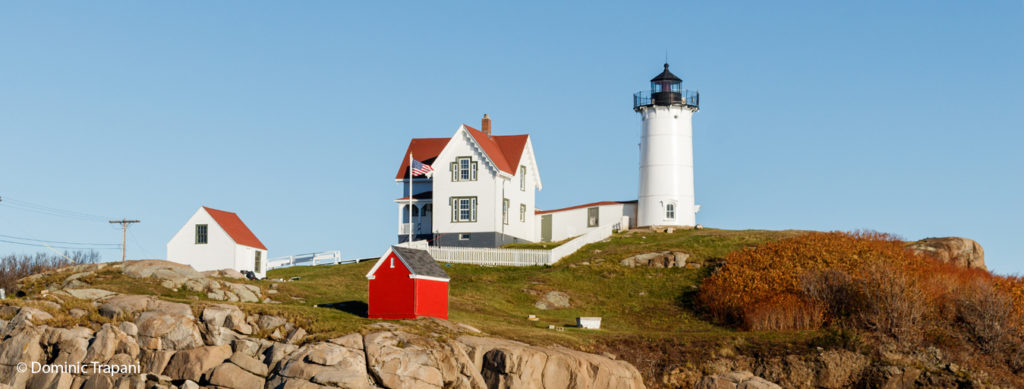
{"x":485,"y":125}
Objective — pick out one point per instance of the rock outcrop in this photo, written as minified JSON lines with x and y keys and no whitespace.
{"x":959,"y":251}
{"x":175,"y":349}
{"x":659,"y":259}
{"x":735,"y":380}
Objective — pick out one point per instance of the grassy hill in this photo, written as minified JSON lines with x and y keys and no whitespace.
{"x":632,"y":301}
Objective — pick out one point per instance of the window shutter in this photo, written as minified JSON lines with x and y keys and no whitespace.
{"x":474,"y":171}
{"x":473,"y":207}
{"x":454,"y":170}
{"x":451,"y":205}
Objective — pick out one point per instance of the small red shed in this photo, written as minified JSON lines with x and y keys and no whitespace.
{"x":407,"y":283}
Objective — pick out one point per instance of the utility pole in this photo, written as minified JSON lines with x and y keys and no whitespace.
{"x":124,"y":231}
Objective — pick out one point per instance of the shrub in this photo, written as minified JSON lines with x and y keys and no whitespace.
{"x":16,"y":267}
{"x":755,"y":276}
{"x":986,"y":314}
{"x":783,"y":312}
{"x":890,"y":302}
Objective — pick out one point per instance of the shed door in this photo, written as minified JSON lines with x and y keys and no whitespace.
{"x":545,"y":228}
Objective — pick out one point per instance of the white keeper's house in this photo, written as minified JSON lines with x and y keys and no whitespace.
{"x":213,"y":240}
{"x":482,"y":188}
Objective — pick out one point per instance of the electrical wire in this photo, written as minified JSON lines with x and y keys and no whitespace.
{"x":59,"y":247}
{"x":59,"y":242}
{"x":29,"y":206}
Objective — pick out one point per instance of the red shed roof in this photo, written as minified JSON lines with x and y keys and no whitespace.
{"x":237,"y":230}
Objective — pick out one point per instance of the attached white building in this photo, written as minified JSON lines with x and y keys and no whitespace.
{"x":214,"y":239}
{"x":560,"y":224}
{"x":481,"y":194}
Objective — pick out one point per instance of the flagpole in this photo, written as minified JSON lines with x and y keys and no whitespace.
{"x":410,"y":199}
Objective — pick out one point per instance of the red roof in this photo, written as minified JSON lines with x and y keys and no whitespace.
{"x":504,"y":150}
{"x":424,"y":150}
{"x":237,"y":230}
{"x":599,"y":203}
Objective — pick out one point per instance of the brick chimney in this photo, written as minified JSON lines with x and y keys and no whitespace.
{"x":485,"y":125}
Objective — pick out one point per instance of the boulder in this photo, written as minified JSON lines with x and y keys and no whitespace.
{"x":21,"y":346}
{"x":89,"y":293}
{"x":505,"y":363}
{"x":163,"y":270}
{"x":553,"y":300}
{"x":225,"y":273}
{"x":191,"y":364}
{"x":230,"y":375}
{"x":324,"y":364}
{"x":159,"y":330}
{"x":268,"y":322}
{"x":958,"y":251}
{"x":226,"y":315}
{"x":110,"y":341}
{"x":658,"y":259}
{"x":735,"y":380}
{"x":249,"y":364}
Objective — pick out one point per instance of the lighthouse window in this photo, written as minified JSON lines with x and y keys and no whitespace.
{"x":670,"y":211}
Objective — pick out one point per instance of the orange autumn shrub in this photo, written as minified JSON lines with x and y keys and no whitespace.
{"x":755,"y":276}
{"x":867,"y":281}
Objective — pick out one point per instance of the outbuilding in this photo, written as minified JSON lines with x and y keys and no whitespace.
{"x":407,"y":283}
{"x":213,"y":240}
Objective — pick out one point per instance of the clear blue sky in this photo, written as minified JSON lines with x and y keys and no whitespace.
{"x":897,"y":116}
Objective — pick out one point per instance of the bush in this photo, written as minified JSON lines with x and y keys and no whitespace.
{"x":16,"y":267}
{"x":754,"y":277}
{"x":986,"y":314}
{"x":784,"y":312}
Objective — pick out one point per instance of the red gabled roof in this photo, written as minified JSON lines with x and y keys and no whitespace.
{"x":599,"y":203}
{"x":504,"y":150}
{"x":237,"y":230}
{"x":424,"y":150}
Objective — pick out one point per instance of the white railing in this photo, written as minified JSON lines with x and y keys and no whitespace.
{"x":512,"y":257}
{"x":312,"y":259}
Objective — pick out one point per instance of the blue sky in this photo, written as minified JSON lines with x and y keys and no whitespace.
{"x":896,"y":116}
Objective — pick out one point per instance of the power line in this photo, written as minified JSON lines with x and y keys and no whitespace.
{"x":42,"y":209}
{"x":59,"y":242}
{"x":58,"y":247}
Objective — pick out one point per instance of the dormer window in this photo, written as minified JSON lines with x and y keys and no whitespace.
{"x":464,"y":169}
{"x":522,"y":178}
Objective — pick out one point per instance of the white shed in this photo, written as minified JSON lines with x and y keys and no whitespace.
{"x":213,"y":239}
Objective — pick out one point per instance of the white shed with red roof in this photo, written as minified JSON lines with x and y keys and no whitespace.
{"x":213,"y":240}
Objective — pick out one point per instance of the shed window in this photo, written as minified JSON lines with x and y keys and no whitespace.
{"x":201,"y":233}
{"x":670,"y":211}
{"x":592,"y":213}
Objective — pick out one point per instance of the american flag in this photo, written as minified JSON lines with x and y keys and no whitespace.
{"x":420,"y":168}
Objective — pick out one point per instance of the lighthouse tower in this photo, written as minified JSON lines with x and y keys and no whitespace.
{"x":666,"y":153}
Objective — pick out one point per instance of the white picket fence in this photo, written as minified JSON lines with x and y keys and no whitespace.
{"x":512,"y":257}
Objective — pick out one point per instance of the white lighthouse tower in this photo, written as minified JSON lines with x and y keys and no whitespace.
{"x":666,"y":153}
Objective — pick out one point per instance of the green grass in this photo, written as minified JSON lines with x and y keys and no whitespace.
{"x":652,"y":303}
{"x":497,"y":300}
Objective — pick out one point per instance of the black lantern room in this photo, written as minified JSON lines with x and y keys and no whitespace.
{"x":666,"y":88}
